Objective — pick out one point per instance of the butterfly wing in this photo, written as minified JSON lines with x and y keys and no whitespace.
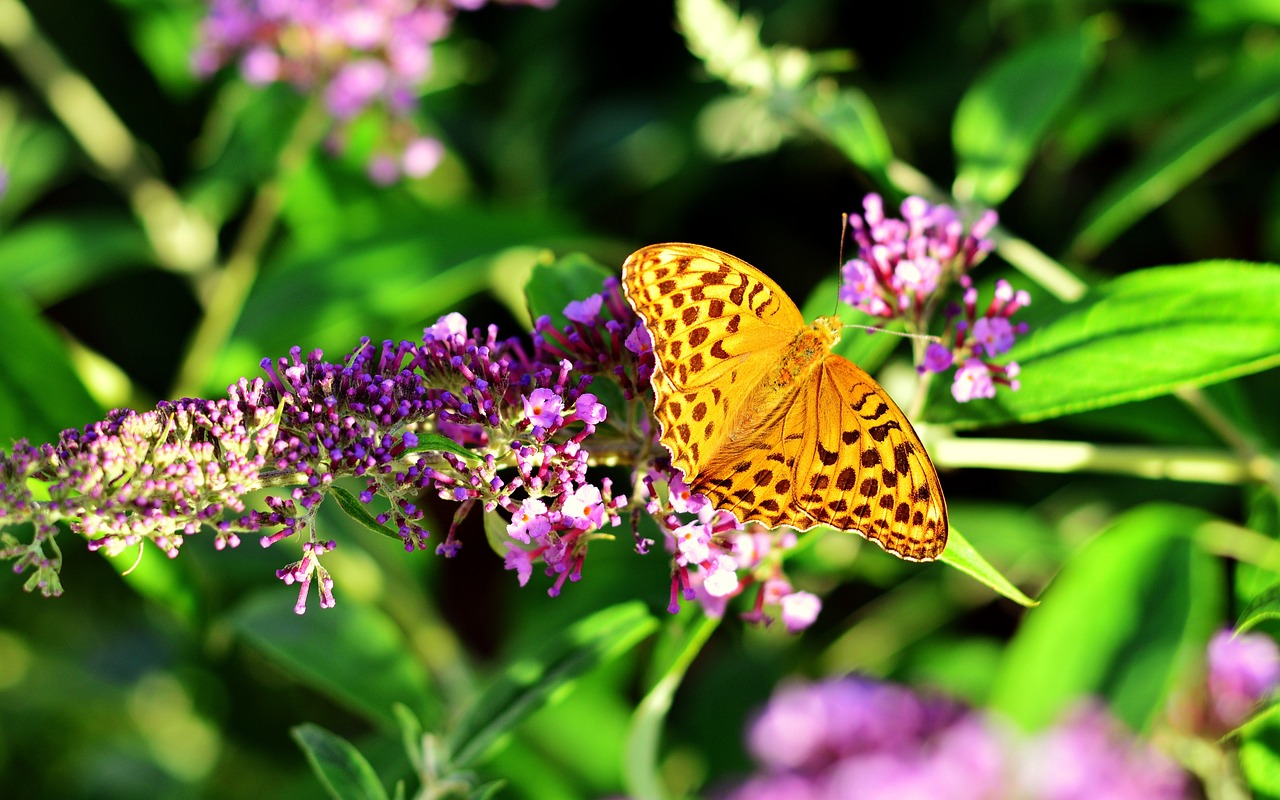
{"x":858,"y":465}
{"x":717,"y":324}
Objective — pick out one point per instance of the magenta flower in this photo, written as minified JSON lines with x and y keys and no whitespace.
{"x":903,"y":266}
{"x":902,"y":263}
{"x":799,"y":610}
{"x":973,"y":381}
{"x":542,"y":407}
{"x":860,"y":738}
{"x":1244,"y":670}
{"x":586,"y":311}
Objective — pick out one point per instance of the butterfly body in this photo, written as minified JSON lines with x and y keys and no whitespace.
{"x":767,"y":422}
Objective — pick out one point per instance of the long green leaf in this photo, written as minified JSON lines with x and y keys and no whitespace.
{"x":1264,"y":607}
{"x":1136,"y":337}
{"x":962,"y":555}
{"x":352,"y":653}
{"x":360,"y":513}
{"x":40,"y":394}
{"x":849,"y":119}
{"x":1223,"y":118}
{"x":1005,"y":115}
{"x":1122,"y":621}
{"x":531,"y":682}
{"x":683,"y":640}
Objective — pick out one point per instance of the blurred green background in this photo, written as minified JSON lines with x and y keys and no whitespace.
{"x":1111,"y":136}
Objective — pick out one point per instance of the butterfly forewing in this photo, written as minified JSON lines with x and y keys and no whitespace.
{"x":706,"y":310}
{"x":818,"y":443}
{"x":715,"y":322}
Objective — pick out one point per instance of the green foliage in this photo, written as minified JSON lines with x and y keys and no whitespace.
{"x":1096,"y":559}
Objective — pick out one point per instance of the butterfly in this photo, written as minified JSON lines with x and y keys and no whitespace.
{"x":764,"y":420}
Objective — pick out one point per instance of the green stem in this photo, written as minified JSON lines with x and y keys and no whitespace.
{"x":230,"y":286}
{"x":1195,"y":399}
{"x":180,"y":237}
{"x":1200,"y":465}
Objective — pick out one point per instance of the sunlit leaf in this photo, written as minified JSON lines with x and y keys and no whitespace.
{"x":1138,"y":336}
{"x":1122,"y":621}
{"x":1005,"y":114}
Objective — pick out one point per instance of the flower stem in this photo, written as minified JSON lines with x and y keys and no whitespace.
{"x":181,"y":238}
{"x":1198,"y":465}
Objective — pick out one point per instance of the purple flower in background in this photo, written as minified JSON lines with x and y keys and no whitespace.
{"x":361,"y":56}
{"x":861,"y":738}
{"x":1244,"y":670}
{"x":1089,"y":756}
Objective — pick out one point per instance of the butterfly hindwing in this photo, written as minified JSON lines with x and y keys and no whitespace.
{"x":860,"y":466}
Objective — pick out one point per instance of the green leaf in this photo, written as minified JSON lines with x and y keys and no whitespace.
{"x":359,"y":512}
{"x":1265,"y":606}
{"x":534,"y":679}
{"x":411,"y":736}
{"x":962,"y":555}
{"x":682,"y":640}
{"x":729,"y":46}
{"x":416,"y":268}
{"x":1217,"y":124}
{"x":339,"y":766}
{"x":52,"y":258}
{"x":742,"y":126}
{"x":170,"y":583}
{"x":495,"y":533}
{"x":353,"y":653}
{"x":1123,"y":620}
{"x":1003,"y":118}
{"x":551,"y":287}
{"x":434,"y":442}
{"x":849,"y":119}
{"x":40,"y":394}
{"x":487,"y":791}
{"x":1260,"y":757}
{"x":1139,"y":336}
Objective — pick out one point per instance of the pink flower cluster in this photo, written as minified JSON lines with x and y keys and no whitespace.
{"x":904,"y":266}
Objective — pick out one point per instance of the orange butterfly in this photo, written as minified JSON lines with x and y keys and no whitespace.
{"x":767,"y":422}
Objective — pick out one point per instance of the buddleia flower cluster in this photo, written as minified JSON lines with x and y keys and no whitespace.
{"x":361,"y":56}
{"x":715,"y":557}
{"x":508,"y":428}
{"x":858,"y":737}
{"x":903,"y":267}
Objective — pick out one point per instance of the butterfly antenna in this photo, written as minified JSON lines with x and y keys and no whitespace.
{"x":928,"y":337}
{"x":844,"y":228}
